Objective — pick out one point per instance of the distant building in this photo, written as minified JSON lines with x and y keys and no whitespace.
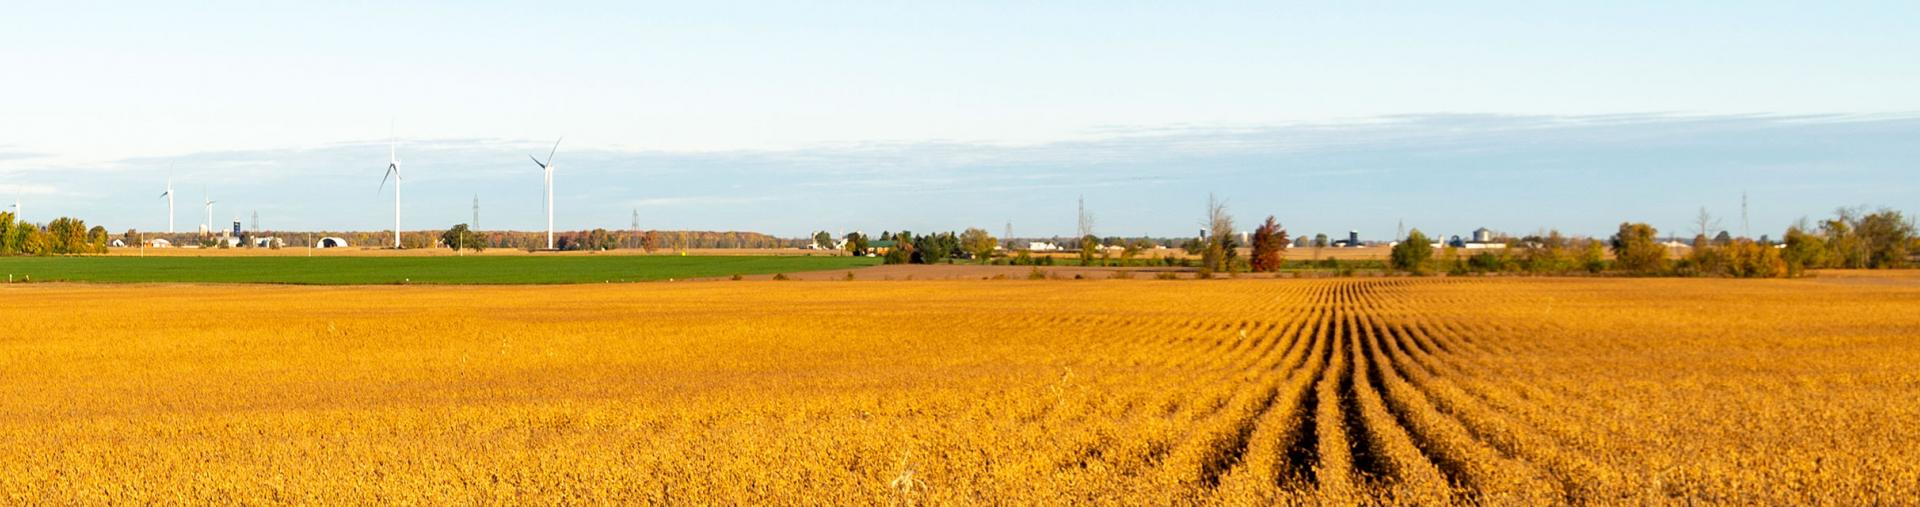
{"x":1042,"y":246}
{"x":160,"y":243}
{"x":117,"y":243}
{"x":331,"y":242}
{"x":1482,"y":235}
{"x":268,"y":243}
{"x":1353,"y":238}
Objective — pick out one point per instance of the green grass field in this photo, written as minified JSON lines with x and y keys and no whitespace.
{"x":397,"y":270}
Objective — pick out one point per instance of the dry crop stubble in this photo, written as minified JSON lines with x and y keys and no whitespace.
{"x":1128,"y":391}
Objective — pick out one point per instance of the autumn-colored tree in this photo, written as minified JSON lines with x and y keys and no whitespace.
{"x":1636,"y":250}
{"x":1747,"y":259}
{"x":67,"y":235}
{"x":651,"y":241}
{"x":978,"y":244}
{"x":1089,"y":246}
{"x":1269,"y":246}
{"x":97,"y":240}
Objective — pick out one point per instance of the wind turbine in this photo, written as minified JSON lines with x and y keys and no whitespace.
{"x":16,"y":210}
{"x":393,"y":171}
{"x":168,"y":195}
{"x":546,"y":168}
{"x":209,"y":205}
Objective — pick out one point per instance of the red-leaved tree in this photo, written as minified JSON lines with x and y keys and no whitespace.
{"x":1269,"y":245}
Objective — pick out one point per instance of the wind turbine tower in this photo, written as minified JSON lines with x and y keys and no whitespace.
{"x":476,"y":212}
{"x":168,"y":195}
{"x":209,"y":204}
{"x":546,"y":169}
{"x":393,"y":171}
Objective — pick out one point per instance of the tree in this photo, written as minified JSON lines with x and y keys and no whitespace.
{"x":1089,"y":245}
{"x":1194,"y":246}
{"x":67,"y":235}
{"x":1221,"y":249}
{"x":902,"y":251}
{"x":856,"y":244}
{"x":934,"y":248}
{"x":978,"y":244}
{"x":1269,"y":246}
{"x":598,"y":239}
{"x":9,"y":243}
{"x":461,"y":237}
{"x":1546,"y":253}
{"x":1636,"y":250}
{"x":822,"y":240}
{"x":1747,"y":259}
{"x":35,"y":241}
{"x":1593,"y":257}
{"x":1705,"y":224}
{"x":1805,"y":250}
{"x":1888,"y":239}
{"x":97,"y":240}
{"x":1412,"y":254}
{"x":651,"y":241}
{"x":1134,"y":247}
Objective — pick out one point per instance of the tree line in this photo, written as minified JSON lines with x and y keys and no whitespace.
{"x":62,"y":236}
{"x":1853,"y":239}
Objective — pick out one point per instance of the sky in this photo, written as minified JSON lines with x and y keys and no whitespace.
{"x":791,"y":117}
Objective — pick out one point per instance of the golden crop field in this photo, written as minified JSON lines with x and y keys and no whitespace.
{"x":1236,"y":392}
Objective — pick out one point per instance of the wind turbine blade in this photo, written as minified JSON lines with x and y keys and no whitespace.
{"x":383,"y":181}
{"x":556,"y":149}
{"x":536,"y":161}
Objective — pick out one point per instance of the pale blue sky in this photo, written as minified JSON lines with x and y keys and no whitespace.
{"x":754,"y":116}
